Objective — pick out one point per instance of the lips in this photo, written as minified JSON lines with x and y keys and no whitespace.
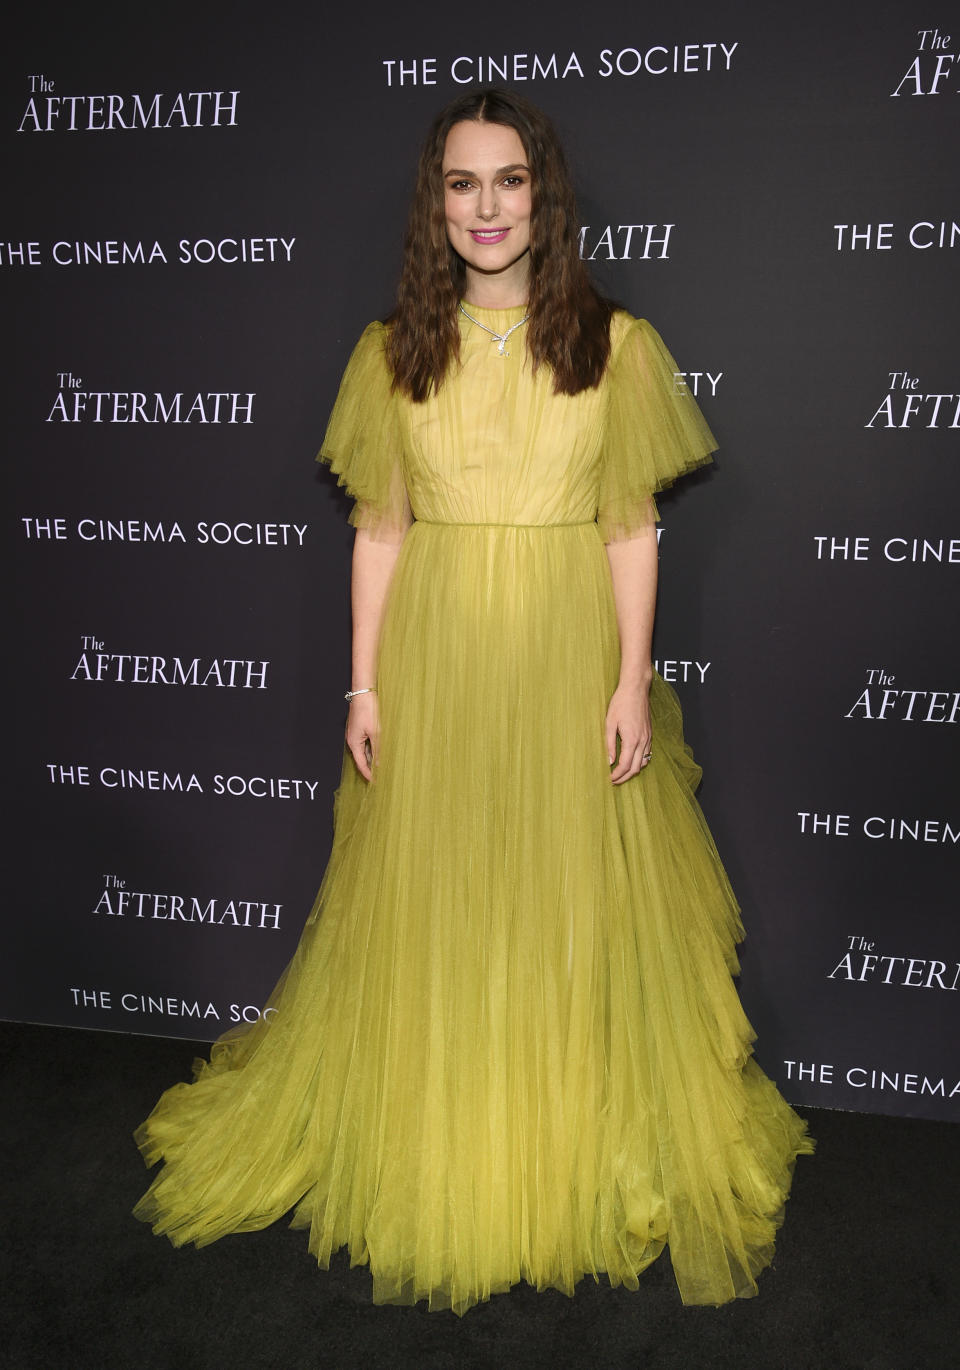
{"x":488,"y":236}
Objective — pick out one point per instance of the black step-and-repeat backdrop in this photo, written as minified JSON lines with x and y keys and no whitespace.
{"x":202,"y":208}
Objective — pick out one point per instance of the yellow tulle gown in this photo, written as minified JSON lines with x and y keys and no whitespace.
{"x":508,"y":1046}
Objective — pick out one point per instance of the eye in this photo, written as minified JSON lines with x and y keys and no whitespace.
{"x":459,"y":185}
{"x":513,"y":181}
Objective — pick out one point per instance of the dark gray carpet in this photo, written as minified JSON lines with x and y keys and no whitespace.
{"x":865,"y":1276}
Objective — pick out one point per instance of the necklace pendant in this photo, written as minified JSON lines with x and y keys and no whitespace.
{"x":499,"y":338}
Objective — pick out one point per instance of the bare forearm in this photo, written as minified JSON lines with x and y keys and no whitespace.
{"x":373,"y":567}
{"x":633,"y":568}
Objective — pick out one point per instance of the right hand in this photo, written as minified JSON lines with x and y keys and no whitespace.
{"x":363,"y":732}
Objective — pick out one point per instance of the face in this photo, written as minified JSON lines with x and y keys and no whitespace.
{"x":487,"y":202}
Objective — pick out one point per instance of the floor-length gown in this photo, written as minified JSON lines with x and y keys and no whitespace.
{"x":508,"y":1046}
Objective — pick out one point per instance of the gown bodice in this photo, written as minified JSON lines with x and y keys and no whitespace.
{"x":498,"y":446}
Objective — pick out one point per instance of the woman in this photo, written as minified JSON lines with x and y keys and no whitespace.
{"x":510,"y":1047}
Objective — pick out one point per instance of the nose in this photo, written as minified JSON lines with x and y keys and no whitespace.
{"x":487,"y":206}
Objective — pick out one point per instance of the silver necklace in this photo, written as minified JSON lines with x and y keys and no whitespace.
{"x":499,"y":338}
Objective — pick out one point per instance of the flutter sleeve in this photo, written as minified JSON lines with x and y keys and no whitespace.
{"x":363,"y":445}
{"x":654,"y":431}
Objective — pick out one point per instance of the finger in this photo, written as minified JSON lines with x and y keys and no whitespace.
{"x":623,"y":769}
{"x":358,"y":751}
{"x":645,"y":751}
{"x":636,"y":766}
{"x":611,"y":738}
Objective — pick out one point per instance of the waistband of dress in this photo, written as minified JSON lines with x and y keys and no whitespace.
{"x":458,"y":523}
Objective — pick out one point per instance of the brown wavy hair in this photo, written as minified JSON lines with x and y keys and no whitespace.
{"x":569,"y":328}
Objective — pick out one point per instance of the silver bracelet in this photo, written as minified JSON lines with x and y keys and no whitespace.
{"x":367,"y":690}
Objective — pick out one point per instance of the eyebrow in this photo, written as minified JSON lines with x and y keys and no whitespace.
{"x":500,"y":171}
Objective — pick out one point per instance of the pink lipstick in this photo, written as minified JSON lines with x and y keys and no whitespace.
{"x":488,"y":236}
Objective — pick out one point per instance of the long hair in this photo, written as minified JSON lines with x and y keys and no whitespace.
{"x":569,"y":327}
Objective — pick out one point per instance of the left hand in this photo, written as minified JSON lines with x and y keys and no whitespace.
{"x":628,"y":716}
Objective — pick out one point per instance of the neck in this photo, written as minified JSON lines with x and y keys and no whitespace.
{"x":507,"y":290}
